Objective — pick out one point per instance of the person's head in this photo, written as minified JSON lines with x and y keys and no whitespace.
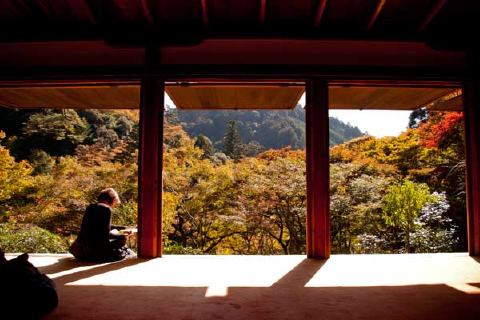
{"x":109,"y":196}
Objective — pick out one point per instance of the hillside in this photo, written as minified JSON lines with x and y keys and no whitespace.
{"x":270,"y":129}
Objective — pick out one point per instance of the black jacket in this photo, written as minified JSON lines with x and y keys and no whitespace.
{"x":94,"y":241}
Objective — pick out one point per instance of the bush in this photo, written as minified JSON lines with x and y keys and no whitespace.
{"x":29,"y":238}
{"x":178,"y":249}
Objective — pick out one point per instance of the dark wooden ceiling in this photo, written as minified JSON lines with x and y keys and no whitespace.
{"x":441,"y":23}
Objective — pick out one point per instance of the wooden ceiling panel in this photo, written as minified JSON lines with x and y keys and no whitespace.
{"x":129,"y":22}
{"x":47,"y":11}
{"x":75,"y":97}
{"x":124,"y":11}
{"x":347,"y":16}
{"x":387,"y":98}
{"x":221,"y":97}
{"x":290,"y":14}
{"x":402,"y":17}
{"x":12,"y":11}
{"x":182,"y":14}
{"x":454,"y":24}
{"x":233,"y":13}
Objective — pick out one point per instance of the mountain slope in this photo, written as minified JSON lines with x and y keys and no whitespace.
{"x":270,"y":129}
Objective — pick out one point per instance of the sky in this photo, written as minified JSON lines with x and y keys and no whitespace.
{"x":378,"y":123}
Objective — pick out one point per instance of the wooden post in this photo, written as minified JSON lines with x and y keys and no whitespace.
{"x":150,"y":169}
{"x":472,"y":156}
{"x":318,"y":176}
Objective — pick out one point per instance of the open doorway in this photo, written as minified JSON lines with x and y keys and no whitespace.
{"x":60,"y":145}
{"x":400,"y":186}
{"x":234,"y":168}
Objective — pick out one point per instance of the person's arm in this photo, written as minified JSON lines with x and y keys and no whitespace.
{"x":112,"y":234}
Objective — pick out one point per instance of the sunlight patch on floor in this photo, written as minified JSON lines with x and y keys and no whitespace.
{"x":453,"y":269}
{"x":195,"y":271}
{"x":219,"y":273}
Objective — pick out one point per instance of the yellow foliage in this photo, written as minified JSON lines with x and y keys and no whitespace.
{"x":14,"y":177}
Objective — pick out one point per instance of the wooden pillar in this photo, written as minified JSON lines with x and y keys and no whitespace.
{"x":150,"y":169}
{"x":472,"y":157}
{"x":318,"y":179}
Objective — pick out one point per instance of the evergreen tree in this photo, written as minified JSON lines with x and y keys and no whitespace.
{"x":206,"y":145}
{"x":232,"y":142}
{"x":417,"y":117}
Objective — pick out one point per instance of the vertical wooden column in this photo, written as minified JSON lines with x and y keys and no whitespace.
{"x":472,"y":157}
{"x":318,"y":177}
{"x":150,"y":169}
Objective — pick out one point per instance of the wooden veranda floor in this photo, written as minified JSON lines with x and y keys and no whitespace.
{"x":414,"y":286}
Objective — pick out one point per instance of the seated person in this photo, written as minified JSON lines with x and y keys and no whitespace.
{"x":98,"y":240}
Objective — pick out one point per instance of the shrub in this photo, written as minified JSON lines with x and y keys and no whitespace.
{"x":29,"y":238}
{"x":178,"y":249}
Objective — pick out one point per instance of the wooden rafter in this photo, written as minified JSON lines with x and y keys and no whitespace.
{"x":263,"y":12}
{"x":431,"y":15}
{"x":375,"y":15}
{"x":146,"y":11}
{"x":320,"y":10}
{"x":204,"y":13}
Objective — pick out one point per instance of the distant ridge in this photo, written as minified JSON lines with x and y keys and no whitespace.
{"x":270,"y":129}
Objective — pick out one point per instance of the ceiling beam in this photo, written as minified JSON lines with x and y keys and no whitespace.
{"x":204,"y":13}
{"x":320,"y":10}
{"x":431,"y":15}
{"x":146,"y":11}
{"x":263,"y":12}
{"x":375,"y":15}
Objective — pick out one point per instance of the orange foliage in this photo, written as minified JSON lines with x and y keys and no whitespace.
{"x":439,"y":127}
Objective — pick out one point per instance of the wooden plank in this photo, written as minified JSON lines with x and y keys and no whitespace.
{"x":150,"y":170}
{"x":318,"y":180}
{"x":384,"y":98}
{"x":81,"y":96}
{"x":472,"y":155}
{"x":224,"y":96}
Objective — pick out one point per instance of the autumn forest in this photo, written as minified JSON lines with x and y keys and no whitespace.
{"x":234,"y":183}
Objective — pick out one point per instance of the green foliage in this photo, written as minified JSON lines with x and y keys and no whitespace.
{"x":203,"y":143}
{"x":41,"y":161}
{"x":56,"y":132}
{"x":178,"y":249}
{"x":340,"y":132}
{"x":417,"y":117}
{"x":402,"y":205}
{"x":259,"y":129}
{"x":29,"y":238}
{"x":356,"y":195}
{"x":232,"y":142}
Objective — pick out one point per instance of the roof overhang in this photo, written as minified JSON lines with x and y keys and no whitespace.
{"x":228,"y":95}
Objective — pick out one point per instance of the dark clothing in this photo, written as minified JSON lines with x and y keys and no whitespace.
{"x":26,"y":293}
{"x":94,"y":242}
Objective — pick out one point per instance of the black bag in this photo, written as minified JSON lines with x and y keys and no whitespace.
{"x":26,"y":293}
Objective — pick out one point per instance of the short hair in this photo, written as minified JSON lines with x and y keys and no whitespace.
{"x":109,"y":195}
